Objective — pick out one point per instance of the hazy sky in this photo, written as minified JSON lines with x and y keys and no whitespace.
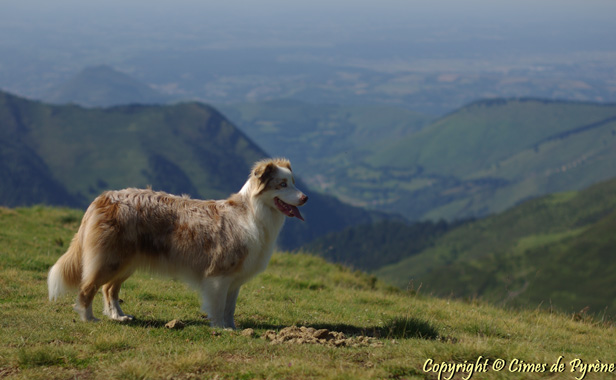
{"x":43,"y":42}
{"x":279,"y":13}
{"x":580,"y":24}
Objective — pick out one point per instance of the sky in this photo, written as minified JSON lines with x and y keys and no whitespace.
{"x":44,"y":42}
{"x":284,"y":15}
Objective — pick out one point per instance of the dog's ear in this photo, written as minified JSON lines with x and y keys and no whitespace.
{"x":264,"y":171}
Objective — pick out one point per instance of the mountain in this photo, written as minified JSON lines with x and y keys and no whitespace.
{"x":556,"y":250}
{"x":493,"y":154}
{"x":185,"y":148}
{"x":478,"y":160}
{"x":25,"y":177}
{"x":290,"y":127}
{"x":327,"y":141}
{"x":103,"y":86}
{"x":371,"y":246}
{"x":67,"y":155}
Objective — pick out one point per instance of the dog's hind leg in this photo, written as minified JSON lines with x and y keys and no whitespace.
{"x":214,"y":293}
{"x":111,"y":299}
{"x":84,"y":301}
{"x":96,"y":272}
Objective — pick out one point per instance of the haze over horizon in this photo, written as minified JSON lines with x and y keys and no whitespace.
{"x":428,"y":56}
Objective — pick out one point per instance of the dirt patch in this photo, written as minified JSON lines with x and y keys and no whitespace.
{"x":248,"y":332}
{"x":310,"y":335}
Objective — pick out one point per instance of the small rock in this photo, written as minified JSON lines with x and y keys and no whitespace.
{"x":175,"y":324}
{"x":248,"y":332}
{"x":322,"y":334}
{"x":308,"y":330}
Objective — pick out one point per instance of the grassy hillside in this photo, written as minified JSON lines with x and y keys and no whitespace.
{"x":480,"y":159}
{"x":67,"y":155}
{"x":293,"y":128}
{"x":487,"y":132}
{"x":328,"y":142}
{"x":371,"y":246}
{"x":25,"y":176}
{"x":557,"y":250}
{"x":411,"y":333}
{"x":184,"y":148}
{"x":490,"y":155}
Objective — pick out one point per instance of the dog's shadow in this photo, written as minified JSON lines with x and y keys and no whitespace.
{"x":398,"y":328}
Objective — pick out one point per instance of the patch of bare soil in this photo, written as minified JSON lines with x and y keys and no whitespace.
{"x":310,"y":335}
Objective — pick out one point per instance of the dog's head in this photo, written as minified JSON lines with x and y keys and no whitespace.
{"x":276,"y":186}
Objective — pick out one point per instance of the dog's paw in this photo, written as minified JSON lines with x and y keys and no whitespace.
{"x":124,"y":318}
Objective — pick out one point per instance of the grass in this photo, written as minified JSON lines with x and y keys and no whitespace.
{"x":556,"y":250}
{"x":43,"y":340}
{"x":171,"y":148}
{"x":329,"y":142}
{"x":495,"y":154}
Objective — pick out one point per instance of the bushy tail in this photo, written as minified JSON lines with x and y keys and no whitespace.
{"x":65,"y":275}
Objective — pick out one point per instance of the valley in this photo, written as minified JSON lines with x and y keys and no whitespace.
{"x":405,"y":196}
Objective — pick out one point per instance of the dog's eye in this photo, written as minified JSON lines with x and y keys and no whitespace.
{"x":283,"y":184}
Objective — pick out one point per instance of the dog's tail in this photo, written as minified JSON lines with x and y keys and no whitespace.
{"x":65,"y":275}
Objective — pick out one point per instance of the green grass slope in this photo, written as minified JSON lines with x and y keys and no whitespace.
{"x":328,"y":142}
{"x":489,"y":155}
{"x":413,"y":334}
{"x":371,"y":246}
{"x":478,"y":160}
{"x":487,"y":132}
{"x":67,"y":155}
{"x":184,"y":148}
{"x":557,"y":250}
{"x":25,"y":177}
{"x":313,"y":131}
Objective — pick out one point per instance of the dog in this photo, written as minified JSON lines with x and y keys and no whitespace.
{"x":214,"y":245}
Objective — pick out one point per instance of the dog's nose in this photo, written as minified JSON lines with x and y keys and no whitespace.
{"x":303,"y":199}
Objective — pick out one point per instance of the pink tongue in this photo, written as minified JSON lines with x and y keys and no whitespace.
{"x":296,"y":212}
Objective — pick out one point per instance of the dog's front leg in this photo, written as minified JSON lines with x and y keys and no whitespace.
{"x":230,"y":307}
{"x":214,"y":294}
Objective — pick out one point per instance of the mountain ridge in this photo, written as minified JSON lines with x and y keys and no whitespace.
{"x":103,"y":86}
{"x":518,"y":147}
{"x":526,"y":255}
{"x":477,"y":160}
{"x":77,"y":152}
